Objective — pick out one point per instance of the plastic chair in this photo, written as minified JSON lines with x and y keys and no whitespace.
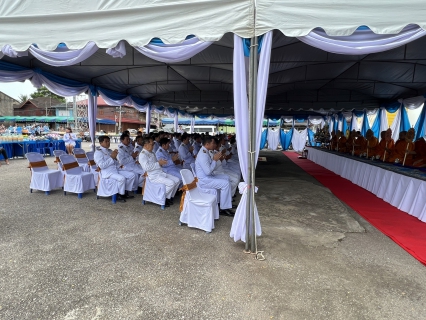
{"x":43,"y":178}
{"x":199,"y":209}
{"x":41,"y":147}
{"x":154,"y":192}
{"x":75,"y":179}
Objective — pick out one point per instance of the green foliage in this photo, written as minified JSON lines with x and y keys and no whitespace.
{"x":44,"y":92}
{"x":22,"y":98}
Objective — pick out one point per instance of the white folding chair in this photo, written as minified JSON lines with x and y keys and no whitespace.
{"x":92,"y":165}
{"x":199,"y":209}
{"x":43,"y":178}
{"x":81,"y":158}
{"x":153,"y":192}
{"x":75,"y":179}
{"x":214,"y":192}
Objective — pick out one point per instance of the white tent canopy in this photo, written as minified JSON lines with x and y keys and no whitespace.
{"x":106,"y":22}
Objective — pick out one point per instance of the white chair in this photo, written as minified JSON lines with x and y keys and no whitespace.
{"x":199,"y":209}
{"x":92,"y":165}
{"x":153,"y":192}
{"x":43,"y":178}
{"x":82,"y":160}
{"x":214,"y":192}
{"x":75,"y":179}
{"x":57,"y":154}
{"x":106,"y":188}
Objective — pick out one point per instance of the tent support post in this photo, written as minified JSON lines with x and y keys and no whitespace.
{"x":252,"y":89}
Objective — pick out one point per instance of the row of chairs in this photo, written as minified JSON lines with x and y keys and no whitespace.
{"x":199,"y":210}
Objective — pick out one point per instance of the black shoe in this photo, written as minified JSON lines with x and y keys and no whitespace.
{"x":121,"y":198}
{"x":234,"y":206}
{"x":139,"y":190}
{"x":169,"y":202}
{"x":128,"y":196}
{"x":166,"y":204}
{"x":226,"y":212}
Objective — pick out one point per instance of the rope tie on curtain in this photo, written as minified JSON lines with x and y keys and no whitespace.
{"x":186,"y":188}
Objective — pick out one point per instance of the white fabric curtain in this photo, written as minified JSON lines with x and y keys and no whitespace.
{"x":316,"y":120}
{"x":273,"y":139}
{"x":14,"y":76}
{"x":340,"y":124}
{"x":396,"y":124}
{"x":126,"y":101}
{"x":362,"y":41}
{"x":39,"y":80}
{"x":148,"y":120}
{"x":238,"y":229}
{"x":176,"y":121}
{"x":354,"y":123}
{"x":288,"y":119}
{"x":298,"y":140}
{"x":383,"y":121}
{"x":91,"y":119}
{"x":192,"y":124}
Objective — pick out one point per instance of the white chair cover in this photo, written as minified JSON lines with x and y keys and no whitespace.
{"x":206,"y":190}
{"x":154,"y":192}
{"x":91,"y":157}
{"x":76,"y":180}
{"x":57,"y":154}
{"x":199,"y":209}
{"x":82,"y":162}
{"x":43,"y":178}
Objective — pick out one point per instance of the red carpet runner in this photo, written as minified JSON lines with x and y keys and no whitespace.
{"x":405,"y":230}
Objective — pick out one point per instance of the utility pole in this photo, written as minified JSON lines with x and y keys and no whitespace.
{"x":119,"y":118}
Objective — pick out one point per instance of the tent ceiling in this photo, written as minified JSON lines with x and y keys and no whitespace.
{"x":301,"y":77}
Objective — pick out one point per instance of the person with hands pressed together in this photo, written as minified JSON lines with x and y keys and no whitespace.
{"x":106,"y":160}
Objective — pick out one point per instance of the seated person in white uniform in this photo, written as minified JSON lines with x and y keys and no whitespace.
{"x":177,"y":141}
{"x":196,"y":144}
{"x":128,"y":158}
{"x":69,"y":139}
{"x":205,"y":166}
{"x":173,"y":165}
{"x":156,"y":138}
{"x":185,"y":152}
{"x":106,"y":160}
{"x":138,"y":144}
{"x":153,"y":168}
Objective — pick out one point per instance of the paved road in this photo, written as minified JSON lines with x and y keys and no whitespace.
{"x":65,"y":258}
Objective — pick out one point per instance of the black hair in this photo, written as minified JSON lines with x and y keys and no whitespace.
{"x":164,"y":141}
{"x":124,"y":136}
{"x":207,"y":139}
{"x":146,"y":140}
{"x":184,"y":136}
{"x":102,"y":138}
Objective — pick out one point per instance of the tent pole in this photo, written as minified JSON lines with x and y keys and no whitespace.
{"x":252,"y":89}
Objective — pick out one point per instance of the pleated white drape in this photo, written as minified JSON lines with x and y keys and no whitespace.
{"x":298,"y":140}
{"x":176,"y":122}
{"x":192,"y":124}
{"x":148,"y":120}
{"x":396,"y":124}
{"x":92,"y":111}
{"x":273,"y":139}
{"x":362,"y":41}
{"x":238,"y":229}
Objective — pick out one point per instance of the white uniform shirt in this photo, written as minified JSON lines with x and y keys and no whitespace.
{"x":103,"y":160}
{"x":204,"y":164}
{"x":149,"y":163}
{"x":125,"y":156}
{"x":185,"y":155}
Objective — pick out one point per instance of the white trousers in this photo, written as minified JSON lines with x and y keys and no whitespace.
{"x":219,"y":182}
{"x":171,"y":183}
{"x":125,"y":180}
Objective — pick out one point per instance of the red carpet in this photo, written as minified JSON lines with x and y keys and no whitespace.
{"x":405,"y":230}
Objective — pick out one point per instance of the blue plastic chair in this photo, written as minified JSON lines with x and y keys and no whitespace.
{"x":41,"y":148}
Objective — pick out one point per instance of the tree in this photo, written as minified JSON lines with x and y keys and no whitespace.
{"x":44,"y":92}
{"x":22,"y":98}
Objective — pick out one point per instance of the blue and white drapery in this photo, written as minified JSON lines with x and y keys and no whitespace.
{"x":238,"y":229}
{"x":148,"y":120}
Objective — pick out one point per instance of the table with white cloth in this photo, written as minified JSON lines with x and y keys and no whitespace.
{"x":402,"y":187}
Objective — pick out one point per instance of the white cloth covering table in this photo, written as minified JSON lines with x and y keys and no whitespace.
{"x":404,"y":192}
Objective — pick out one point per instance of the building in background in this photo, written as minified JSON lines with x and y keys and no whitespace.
{"x":43,"y":106}
{"x":6,"y":104}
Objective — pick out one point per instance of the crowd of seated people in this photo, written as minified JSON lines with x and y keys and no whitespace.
{"x":159,"y":157}
{"x":404,"y":151}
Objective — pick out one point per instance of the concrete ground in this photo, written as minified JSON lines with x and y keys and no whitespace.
{"x":65,"y":258}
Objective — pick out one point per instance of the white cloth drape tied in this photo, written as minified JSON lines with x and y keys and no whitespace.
{"x":298,"y":140}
